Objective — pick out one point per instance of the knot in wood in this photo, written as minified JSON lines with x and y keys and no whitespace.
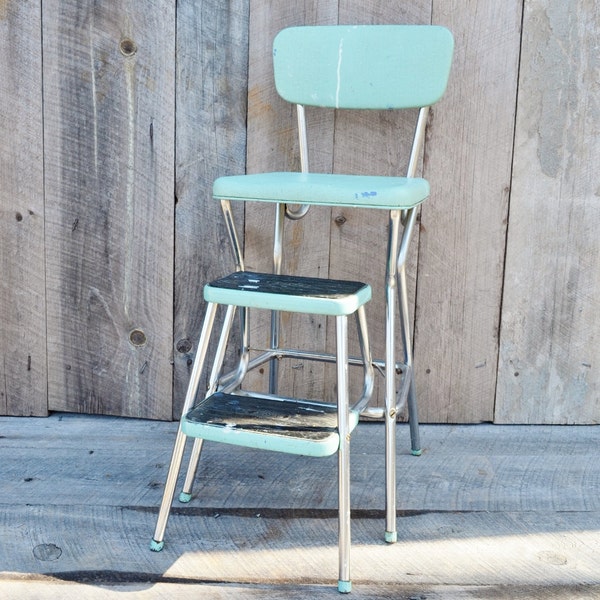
{"x":184,"y":346}
{"x":127,"y":47}
{"x":137,"y":337}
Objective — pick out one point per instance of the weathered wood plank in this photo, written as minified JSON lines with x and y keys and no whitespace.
{"x":109,"y":123}
{"x":212,"y":59}
{"x":461,"y":549}
{"x":106,"y":461}
{"x":549,"y":358}
{"x":49,"y":589}
{"x":513,"y":509}
{"x":22,"y":286}
{"x":463,"y":224}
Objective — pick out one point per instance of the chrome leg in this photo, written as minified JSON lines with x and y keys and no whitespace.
{"x":344,"y":584}
{"x":390,"y":420}
{"x":186,"y":494}
{"x":165,"y":507}
{"x":390,"y":377}
{"x":157,"y":542}
{"x":367,"y":359}
{"x":275,"y":317}
{"x":413,"y":417}
{"x":188,"y":485}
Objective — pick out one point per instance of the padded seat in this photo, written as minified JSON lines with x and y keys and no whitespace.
{"x":353,"y":191}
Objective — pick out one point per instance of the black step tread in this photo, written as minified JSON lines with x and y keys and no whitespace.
{"x":288,"y":285}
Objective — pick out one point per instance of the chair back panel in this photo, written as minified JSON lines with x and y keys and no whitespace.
{"x":363,"y":66}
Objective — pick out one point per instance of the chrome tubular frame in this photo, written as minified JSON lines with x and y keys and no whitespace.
{"x":186,"y":493}
{"x":165,"y":507}
{"x":396,"y":286}
{"x":396,"y":296}
{"x":275,"y":317}
{"x":233,"y":236}
{"x":418,"y":140}
{"x":417,"y":146}
{"x":390,"y":377}
{"x":367,"y":361}
{"x":236,"y":247}
{"x":344,"y":451}
{"x":295,"y":214}
{"x":409,"y":385}
{"x":283,"y":210}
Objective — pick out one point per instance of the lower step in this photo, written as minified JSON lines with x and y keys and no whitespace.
{"x":281,"y":424}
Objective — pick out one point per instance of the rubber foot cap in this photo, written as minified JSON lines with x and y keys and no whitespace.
{"x":344,"y":587}
{"x":417,"y":452}
{"x":156,"y":546}
{"x":391,"y":537}
{"x":185,"y":497}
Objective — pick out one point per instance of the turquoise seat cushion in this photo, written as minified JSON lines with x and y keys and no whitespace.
{"x":324,"y":189}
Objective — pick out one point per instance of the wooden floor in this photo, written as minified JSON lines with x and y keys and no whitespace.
{"x":487,"y":512}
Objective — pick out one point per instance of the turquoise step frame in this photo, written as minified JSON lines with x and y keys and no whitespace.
{"x":288,"y":293}
{"x":305,"y":436}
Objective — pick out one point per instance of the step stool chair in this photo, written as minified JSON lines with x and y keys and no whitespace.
{"x":343,"y":67}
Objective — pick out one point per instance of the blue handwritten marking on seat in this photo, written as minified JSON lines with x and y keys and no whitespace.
{"x":365,"y":195}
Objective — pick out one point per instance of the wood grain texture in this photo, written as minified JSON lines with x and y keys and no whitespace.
{"x":550,"y":354}
{"x":513,"y":509}
{"x":22,"y":286}
{"x":134,"y":101}
{"x":510,"y":469}
{"x":212,"y":76}
{"x":463,"y":224}
{"x":48,"y":588}
{"x":109,"y":140}
{"x":468,"y":549}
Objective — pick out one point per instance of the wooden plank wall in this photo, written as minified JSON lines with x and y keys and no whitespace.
{"x":212,"y":67}
{"x":550,"y":342}
{"x":22,"y":286}
{"x":115,"y":121}
{"x":109,"y":109}
{"x":463,"y":224}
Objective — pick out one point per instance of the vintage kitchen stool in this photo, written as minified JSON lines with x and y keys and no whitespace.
{"x":378,"y":67}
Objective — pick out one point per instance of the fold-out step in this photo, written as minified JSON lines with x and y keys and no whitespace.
{"x":294,"y":426}
{"x":288,"y":293}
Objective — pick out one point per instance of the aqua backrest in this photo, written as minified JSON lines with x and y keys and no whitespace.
{"x":363,"y":66}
